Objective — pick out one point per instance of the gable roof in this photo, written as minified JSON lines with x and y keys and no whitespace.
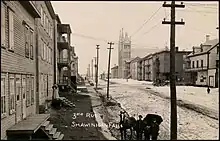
{"x":135,"y":59}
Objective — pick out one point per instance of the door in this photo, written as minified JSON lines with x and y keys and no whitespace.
{"x":23,"y":98}
{"x":211,"y":81}
{"x":18,"y":98}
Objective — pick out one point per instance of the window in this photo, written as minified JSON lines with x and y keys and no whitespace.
{"x":3,"y":97}
{"x":46,"y":26}
{"x":51,"y":56}
{"x":217,"y":49}
{"x":12,"y":95}
{"x":51,"y":31}
{"x":46,"y":48}
{"x":49,"y":28}
{"x":42,"y":49}
{"x":45,"y":85}
{"x":28,"y":91}
{"x":46,"y":23}
{"x":48,"y":54}
{"x":193,"y":64}
{"x":45,"y":51}
{"x":18,"y":88}
{"x":2,"y":24}
{"x":26,"y":41}
{"x":11,"y":30}
{"x":197,"y":63}
{"x":31,"y":44}
{"x":24,"y":87}
{"x":202,"y":63}
{"x":42,"y":15}
{"x":42,"y":85}
{"x":32,"y":90}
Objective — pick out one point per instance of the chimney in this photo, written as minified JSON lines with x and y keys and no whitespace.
{"x":207,"y":38}
{"x":193,"y":50}
{"x":177,"y":48}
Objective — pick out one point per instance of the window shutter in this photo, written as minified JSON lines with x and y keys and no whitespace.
{"x":11,"y":30}
{"x":42,"y":16}
{"x":48,"y":54}
{"x":31,"y":44}
{"x":42,"y":48}
{"x":2,"y":25}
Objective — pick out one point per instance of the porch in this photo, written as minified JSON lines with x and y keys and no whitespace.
{"x":32,"y":128}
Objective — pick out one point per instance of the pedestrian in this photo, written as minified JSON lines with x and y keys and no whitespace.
{"x":56,"y":91}
{"x":208,"y":90}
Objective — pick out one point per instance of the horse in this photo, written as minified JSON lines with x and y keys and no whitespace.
{"x":139,"y":128}
{"x":126,"y":122}
{"x":152,"y":123}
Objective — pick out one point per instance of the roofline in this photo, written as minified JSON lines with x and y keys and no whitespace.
{"x":58,"y":18}
{"x":114,"y":67}
{"x":50,"y":9}
{"x":205,"y":52}
{"x":213,"y":47}
{"x":135,"y":59}
{"x":166,"y":51}
{"x":31,"y":8}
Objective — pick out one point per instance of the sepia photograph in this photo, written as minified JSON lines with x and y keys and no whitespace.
{"x":110,"y":70}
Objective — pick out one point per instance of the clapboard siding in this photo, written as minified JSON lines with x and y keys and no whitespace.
{"x":15,"y":62}
{"x":44,"y":67}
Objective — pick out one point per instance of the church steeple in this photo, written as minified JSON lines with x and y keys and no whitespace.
{"x":122,"y":34}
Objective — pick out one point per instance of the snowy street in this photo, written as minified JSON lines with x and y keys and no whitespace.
{"x":136,"y":99}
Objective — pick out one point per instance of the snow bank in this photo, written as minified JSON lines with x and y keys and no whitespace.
{"x":191,"y":125}
{"x":197,"y":95}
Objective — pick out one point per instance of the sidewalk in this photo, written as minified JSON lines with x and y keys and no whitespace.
{"x":62,"y":119}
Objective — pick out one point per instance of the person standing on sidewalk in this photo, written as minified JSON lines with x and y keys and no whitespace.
{"x":56,"y":91}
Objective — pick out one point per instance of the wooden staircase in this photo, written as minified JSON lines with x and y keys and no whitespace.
{"x":51,"y":131}
{"x":66,"y":102}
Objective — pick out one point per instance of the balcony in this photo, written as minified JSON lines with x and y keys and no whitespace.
{"x":62,"y":62}
{"x":64,"y":28}
{"x":62,"y":43}
{"x":65,"y":73}
{"x":63,"y":82}
{"x":196,"y":69}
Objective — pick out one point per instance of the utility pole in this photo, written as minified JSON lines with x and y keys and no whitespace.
{"x":95,"y":69}
{"x":172,"y":67}
{"x":109,"y":60}
{"x":92,"y":69}
{"x":97,"y":63}
{"x":89,"y":71}
{"x":218,"y":65}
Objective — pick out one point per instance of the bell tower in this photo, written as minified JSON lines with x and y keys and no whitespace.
{"x":124,"y":53}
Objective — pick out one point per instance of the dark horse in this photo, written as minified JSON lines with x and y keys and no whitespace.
{"x":126,"y":122}
{"x":151,"y":123}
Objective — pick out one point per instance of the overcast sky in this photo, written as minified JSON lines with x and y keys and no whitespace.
{"x":103,"y":21}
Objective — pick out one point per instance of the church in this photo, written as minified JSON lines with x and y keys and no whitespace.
{"x":124,"y":53}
